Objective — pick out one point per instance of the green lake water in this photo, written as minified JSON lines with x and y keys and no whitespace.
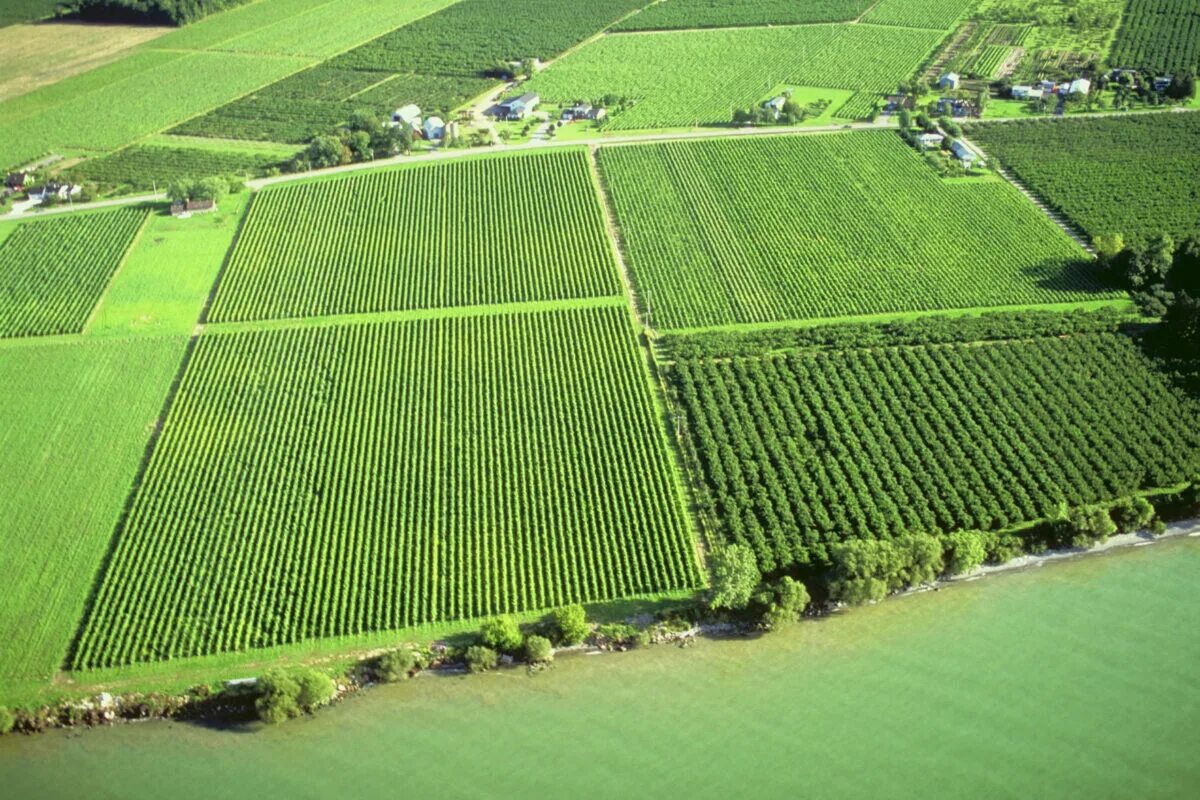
{"x":1075,"y":679}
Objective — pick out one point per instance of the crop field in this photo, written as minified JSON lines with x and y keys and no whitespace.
{"x":338,"y":480}
{"x":1159,"y":35}
{"x":800,"y":227}
{"x":1132,"y":175}
{"x":674,"y":14}
{"x":145,"y":167}
{"x":807,"y":448}
{"x":52,"y":272}
{"x":935,"y":14}
{"x":714,"y":71}
{"x":860,"y":106}
{"x":457,"y":234}
{"x":439,"y":62}
{"x":73,"y":429}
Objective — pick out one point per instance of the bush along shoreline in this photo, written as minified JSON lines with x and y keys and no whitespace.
{"x":740,"y":601}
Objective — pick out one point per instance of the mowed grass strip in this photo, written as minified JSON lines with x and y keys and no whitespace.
{"x":74,"y":422}
{"x":802,"y":227}
{"x":684,"y":78}
{"x":477,"y":231}
{"x":316,"y":482}
{"x":53,"y":272}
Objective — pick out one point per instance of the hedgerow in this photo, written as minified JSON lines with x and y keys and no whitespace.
{"x":494,"y":230}
{"x":799,"y":227}
{"x":53,"y":272}
{"x":804,"y":450}
{"x":315,"y":482}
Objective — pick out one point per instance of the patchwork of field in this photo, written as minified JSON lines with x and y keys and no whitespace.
{"x":73,"y":429}
{"x":471,"y":232}
{"x":438,"y":62}
{"x":803,"y":449}
{"x":683,"y":14}
{"x":714,"y":71}
{"x":800,"y":227}
{"x":53,"y":272}
{"x":1133,"y":175}
{"x":1159,"y":35}
{"x":145,"y":167}
{"x":329,"y":481}
{"x":935,"y":14}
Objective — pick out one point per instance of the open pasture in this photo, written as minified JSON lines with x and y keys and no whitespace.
{"x":52,"y":272}
{"x":682,"y":14}
{"x":698,"y":77}
{"x":1133,"y":175}
{"x":331,"y":481}
{"x":800,"y":227}
{"x":803,"y":449}
{"x":472,"y":232}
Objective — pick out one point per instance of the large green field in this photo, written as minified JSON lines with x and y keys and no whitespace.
{"x":935,"y":14}
{"x":53,"y":272}
{"x":1159,"y":35}
{"x":473,"y":232}
{"x":332,"y":481}
{"x":1133,"y":175}
{"x":74,"y":421}
{"x":801,"y":449}
{"x":711,"y":72}
{"x":797,"y":227}
{"x":738,"y":13}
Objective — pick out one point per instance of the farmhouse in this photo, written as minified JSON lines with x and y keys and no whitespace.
{"x":954,"y":107}
{"x":15,"y":181}
{"x":186,"y":208}
{"x":434,"y":128}
{"x":515,"y":108}
{"x":409,"y":115}
{"x":965,"y":154}
{"x":948,"y":81}
{"x":60,"y":191}
{"x":577,"y":111}
{"x":1026,"y":92}
{"x":930,"y":140}
{"x":895,"y":102}
{"x":1077,"y":86}
{"x":1047,"y":87}
{"x":1162,"y":82}
{"x":775,"y":105}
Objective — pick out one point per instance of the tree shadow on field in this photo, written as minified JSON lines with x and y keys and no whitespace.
{"x":1079,"y":275}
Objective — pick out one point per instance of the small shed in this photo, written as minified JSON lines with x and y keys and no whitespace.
{"x":1047,"y":87}
{"x":1162,"y":82}
{"x":1079,"y":86}
{"x":409,"y":115}
{"x":948,"y":81}
{"x":775,"y":105}
{"x":15,"y":181}
{"x":1026,"y":92}
{"x":966,"y":155}
{"x":434,"y":128}
{"x":577,"y":111}
{"x":895,"y":102}
{"x":930,"y":141}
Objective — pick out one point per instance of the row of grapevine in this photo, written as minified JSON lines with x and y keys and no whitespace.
{"x":1133,"y":175}
{"x":53,"y":272}
{"x":860,"y":106}
{"x":797,"y":227}
{"x":698,"y":77}
{"x":805,"y":449}
{"x":146,"y":167}
{"x":934,"y":14}
{"x":475,"y":231}
{"x":1159,"y":35}
{"x":737,"y":13}
{"x":331,"y":481}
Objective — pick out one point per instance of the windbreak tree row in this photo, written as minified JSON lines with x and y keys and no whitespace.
{"x":318,"y":482}
{"x":474,"y":232}
{"x":802,"y":450}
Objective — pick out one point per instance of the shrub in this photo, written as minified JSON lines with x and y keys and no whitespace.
{"x":965,"y":551}
{"x":734,"y":576}
{"x":1087,"y":525}
{"x":619,"y":634}
{"x":283,"y":695}
{"x":501,"y":633}
{"x":866,"y":570}
{"x":1001,"y":547}
{"x":785,"y":601}
{"x":538,"y":650}
{"x":396,"y":665}
{"x":481,"y":659}
{"x":1132,"y":514}
{"x":571,"y":625}
{"x":316,"y":688}
{"x":7,"y":720}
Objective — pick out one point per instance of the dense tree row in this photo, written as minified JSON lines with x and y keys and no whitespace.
{"x":52,"y":272}
{"x":446,"y":235}
{"x":801,"y":227}
{"x":328,"y":481}
{"x":1159,"y":35}
{"x":148,"y":12}
{"x":804,"y":450}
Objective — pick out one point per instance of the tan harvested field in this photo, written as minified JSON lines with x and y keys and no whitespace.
{"x":44,"y":53}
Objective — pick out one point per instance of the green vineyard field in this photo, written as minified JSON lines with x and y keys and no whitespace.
{"x":711,"y":72}
{"x":935,"y":14}
{"x":473,"y":232}
{"x":805,"y":449}
{"x":1159,"y":35}
{"x":332,"y":481}
{"x":148,"y":167}
{"x":800,"y":227}
{"x":1134,"y":175}
{"x":736,"y":13}
{"x":53,"y":272}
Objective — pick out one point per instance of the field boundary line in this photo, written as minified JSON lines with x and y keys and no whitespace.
{"x":137,"y":237}
{"x":202,"y":320}
{"x":414,"y":314}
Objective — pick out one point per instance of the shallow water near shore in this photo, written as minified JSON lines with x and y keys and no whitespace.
{"x":1072,"y":679}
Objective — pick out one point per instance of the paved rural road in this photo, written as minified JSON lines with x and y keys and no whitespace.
{"x":68,"y":207}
